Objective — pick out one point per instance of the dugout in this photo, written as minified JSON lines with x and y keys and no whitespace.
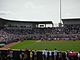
{"x":25,"y":24}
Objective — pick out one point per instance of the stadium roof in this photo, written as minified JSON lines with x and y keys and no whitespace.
{"x":38,"y":22}
{"x":71,"y":21}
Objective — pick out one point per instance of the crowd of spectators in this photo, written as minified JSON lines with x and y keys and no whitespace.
{"x":68,"y":32}
{"x":8,"y":37}
{"x":72,"y":29}
{"x":38,"y":55}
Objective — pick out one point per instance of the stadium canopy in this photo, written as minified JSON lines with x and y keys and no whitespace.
{"x":40,"y":23}
{"x":71,"y":21}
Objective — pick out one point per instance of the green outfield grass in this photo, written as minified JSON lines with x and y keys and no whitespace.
{"x":50,"y":45}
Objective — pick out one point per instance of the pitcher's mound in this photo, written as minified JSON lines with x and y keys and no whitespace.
{"x":38,"y":41}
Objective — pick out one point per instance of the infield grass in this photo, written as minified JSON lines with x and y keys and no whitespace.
{"x":61,"y":45}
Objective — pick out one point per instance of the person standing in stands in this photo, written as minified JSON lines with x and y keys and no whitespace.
{"x":3,"y":54}
{"x":78,"y":55}
{"x":27,"y":54}
{"x":39,"y":55}
{"x":67,"y":57}
{"x":31,"y":54}
{"x":55,"y":54}
{"x":60,"y":56}
{"x":16,"y":55}
{"x":21,"y":54}
{"x":34,"y":56}
{"x":10,"y":55}
{"x":72,"y":55}
{"x":50,"y":55}
{"x":64,"y":56}
{"x":45,"y":54}
{"x":24,"y":56}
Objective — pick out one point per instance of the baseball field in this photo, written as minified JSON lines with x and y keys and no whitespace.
{"x":62,"y":45}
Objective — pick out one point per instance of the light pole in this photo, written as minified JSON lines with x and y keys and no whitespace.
{"x":60,"y":15}
{"x":60,"y":11}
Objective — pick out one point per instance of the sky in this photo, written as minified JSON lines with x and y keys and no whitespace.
{"x":39,"y":10}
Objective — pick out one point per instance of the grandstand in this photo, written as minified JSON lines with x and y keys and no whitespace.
{"x":19,"y":30}
{"x":14,"y":31}
{"x":30,"y":30}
